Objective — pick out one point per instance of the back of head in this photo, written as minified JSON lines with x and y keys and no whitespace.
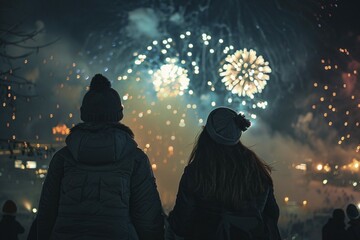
{"x":338,"y":214}
{"x":101,"y":103}
{"x":9,"y":207}
{"x":225,"y":126}
{"x":352,"y":212}
{"x":224,"y":168}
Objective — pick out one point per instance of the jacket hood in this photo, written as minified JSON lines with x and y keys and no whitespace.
{"x":100,"y":143}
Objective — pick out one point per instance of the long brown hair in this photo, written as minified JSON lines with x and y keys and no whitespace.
{"x":228,"y":174}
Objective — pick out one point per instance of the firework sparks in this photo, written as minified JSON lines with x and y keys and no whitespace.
{"x":339,"y":101}
{"x":170,"y":80}
{"x":244,"y":73}
{"x":195,"y":55}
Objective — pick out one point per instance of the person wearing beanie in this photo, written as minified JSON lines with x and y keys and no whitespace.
{"x":100,"y":186}
{"x":226,"y":191}
{"x":353,"y":230}
{"x":10,"y":228}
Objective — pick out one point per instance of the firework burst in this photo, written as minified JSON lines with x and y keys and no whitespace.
{"x":170,"y":80}
{"x":244,"y":73}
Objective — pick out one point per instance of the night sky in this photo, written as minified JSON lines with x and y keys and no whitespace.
{"x":311,"y":100}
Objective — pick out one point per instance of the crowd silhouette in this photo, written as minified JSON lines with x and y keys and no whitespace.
{"x":335,"y":228}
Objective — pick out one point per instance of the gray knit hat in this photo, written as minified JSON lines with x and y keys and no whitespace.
{"x":225,"y":126}
{"x":101,"y":103}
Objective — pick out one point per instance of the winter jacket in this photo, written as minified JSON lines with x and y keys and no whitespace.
{"x":32,"y":235}
{"x":353,"y":231}
{"x":100,"y":186}
{"x":10,"y":228}
{"x":334,"y":229}
{"x":195,"y":217}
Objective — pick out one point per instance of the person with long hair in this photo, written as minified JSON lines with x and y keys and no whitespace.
{"x":226,"y":191}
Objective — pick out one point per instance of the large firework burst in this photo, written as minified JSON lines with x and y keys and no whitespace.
{"x":244,"y":73}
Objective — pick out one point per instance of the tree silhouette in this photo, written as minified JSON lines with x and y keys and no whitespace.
{"x":16,"y":45}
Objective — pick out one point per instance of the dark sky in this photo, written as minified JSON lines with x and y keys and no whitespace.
{"x":346,"y":17}
{"x":77,"y":16}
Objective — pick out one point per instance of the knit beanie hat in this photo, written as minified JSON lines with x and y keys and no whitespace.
{"x":101,"y":103}
{"x":352,"y":212}
{"x":225,"y":126}
{"x":9,"y":207}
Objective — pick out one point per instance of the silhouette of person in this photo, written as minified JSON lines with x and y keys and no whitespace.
{"x":353,"y":231}
{"x":10,"y":228}
{"x":334,"y":229}
{"x":100,"y":185}
{"x":226,"y":191}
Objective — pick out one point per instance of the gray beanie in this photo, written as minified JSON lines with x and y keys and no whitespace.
{"x":225,"y":126}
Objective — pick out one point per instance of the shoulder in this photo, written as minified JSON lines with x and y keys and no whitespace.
{"x":189,"y":171}
{"x":61,"y":154}
{"x":139,"y":157}
{"x":187,"y":179}
{"x":190,"y":168}
{"x":59,"y":157}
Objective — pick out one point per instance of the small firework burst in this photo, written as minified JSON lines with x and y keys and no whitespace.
{"x":244,"y":73}
{"x":170,"y":80}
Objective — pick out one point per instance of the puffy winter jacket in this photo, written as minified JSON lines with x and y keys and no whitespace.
{"x":100,"y":186}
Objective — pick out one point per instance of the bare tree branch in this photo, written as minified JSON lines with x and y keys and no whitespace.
{"x":12,"y":84}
